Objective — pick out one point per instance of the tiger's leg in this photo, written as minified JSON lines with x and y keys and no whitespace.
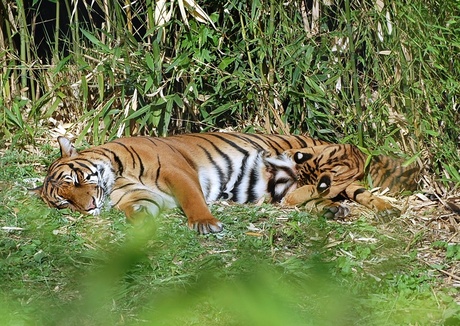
{"x":176,"y":188}
{"x":384,"y":209}
{"x":313,"y":200}
{"x":186,"y":188}
{"x":199,"y":217}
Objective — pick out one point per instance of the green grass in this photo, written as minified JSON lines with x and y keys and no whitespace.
{"x":269,"y":267}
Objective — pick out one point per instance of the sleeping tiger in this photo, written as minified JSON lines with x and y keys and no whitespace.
{"x":144,"y":175}
{"x":326,"y":171}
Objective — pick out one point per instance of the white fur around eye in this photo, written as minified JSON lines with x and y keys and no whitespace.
{"x":62,"y":201}
{"x":91,"y":178}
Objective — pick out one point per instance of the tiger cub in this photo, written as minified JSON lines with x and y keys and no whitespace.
{"x":324,"y":172}
{"x":145,"y":175}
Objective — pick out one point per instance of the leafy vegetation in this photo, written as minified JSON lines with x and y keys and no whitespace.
{"x":379,"y":74}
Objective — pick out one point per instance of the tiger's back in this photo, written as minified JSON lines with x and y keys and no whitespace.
{"x":392,"y":174}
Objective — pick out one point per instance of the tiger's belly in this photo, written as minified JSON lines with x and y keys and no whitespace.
{"x":247,"y":178}
{"x":242,"y":179}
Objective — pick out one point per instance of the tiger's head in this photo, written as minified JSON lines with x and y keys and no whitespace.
{"x":76,"y":180}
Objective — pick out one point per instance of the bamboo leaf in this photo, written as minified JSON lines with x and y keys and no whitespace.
{"x":183,"y":13}
{"x":95,"y":41}
{"x":221,"y":109}
{"x":197,"y":12}
{"x":411,"y":160}
{"x":148,"y":85}
{"x":61,"y":64}
{"x":150,"y":62}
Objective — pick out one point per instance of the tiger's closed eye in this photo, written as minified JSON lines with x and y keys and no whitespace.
{"x":68,"y":179}
{"x":62,"y":204}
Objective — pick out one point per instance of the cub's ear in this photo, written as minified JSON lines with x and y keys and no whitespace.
{"x":301,"y":157}
{"x":67,"y":149}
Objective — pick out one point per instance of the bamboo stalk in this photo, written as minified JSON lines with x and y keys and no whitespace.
{"x":354,"y":73}
{"x":24,"y":41}
{"x":248,"y":52}
{"x":56,"y":32}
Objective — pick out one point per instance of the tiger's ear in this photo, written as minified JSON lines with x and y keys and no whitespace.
{"x":67,"y":149}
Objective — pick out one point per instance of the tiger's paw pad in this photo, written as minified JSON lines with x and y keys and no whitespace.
{"x":335,"y":212}
{"x":388,"y":214}
{"x":205,"y":227}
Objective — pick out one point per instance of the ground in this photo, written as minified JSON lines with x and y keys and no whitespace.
{"x":270,"y":265}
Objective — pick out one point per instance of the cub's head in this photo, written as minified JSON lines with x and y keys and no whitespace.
{"x":74,"y":181}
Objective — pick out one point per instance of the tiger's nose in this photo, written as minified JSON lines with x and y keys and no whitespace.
{"x":92,"y":204}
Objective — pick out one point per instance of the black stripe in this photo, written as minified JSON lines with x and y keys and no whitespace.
{"x":152,"y":201}
{"x":163,"y":141}
{"x":301,"y":140}
{"x":247,"y":172}
{"x":141,"y":165}
{"x":127,"y":149}
{"x":222,"y":177}
{"x":358,"y":192}
{"x":241,"y":174}
{"x":116,"y":158}
{"x":251,"y":191}
{"x":224,"y":138}
{"x":138,"y":199}
{"x":273,"y":144}
{"x":252,"y":139}
{"x":158,"y":172}
{"x":81,"y":164}
{"x":124,"y":186}
{"x":158,"y":176}
{"x":285,"y":143}
{"x":56,"y":175}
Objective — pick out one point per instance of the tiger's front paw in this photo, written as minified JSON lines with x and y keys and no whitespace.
{"x":206,"y":226}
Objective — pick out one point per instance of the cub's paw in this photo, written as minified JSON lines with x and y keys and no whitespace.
{"x":289,"y":201}
{"x":335,"y":212}
{"x":388,"y":214}
{"x":206,"y":226}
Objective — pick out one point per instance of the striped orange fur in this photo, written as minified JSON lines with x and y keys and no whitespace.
{"x":327,"y":171}
{"x":145,"y":175}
